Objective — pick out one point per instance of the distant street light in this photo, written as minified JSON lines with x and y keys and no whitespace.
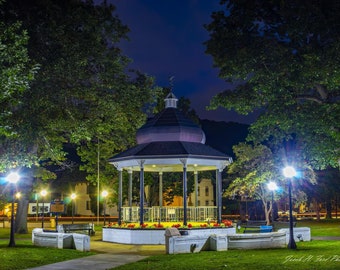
{"x":104,"y":195}
{"x":289,"y":172}
{"x":73,"y":197}
{"x":43,"y":193}
{"x":272,"y":187}
{"x":12,"y":178}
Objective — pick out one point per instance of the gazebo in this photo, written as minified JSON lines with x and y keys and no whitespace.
{"x":169,"y":142}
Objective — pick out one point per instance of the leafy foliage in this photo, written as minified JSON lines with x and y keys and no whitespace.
{"x":83,"y":93}
{"x":284,"y":57}
{"x":254,"y":167}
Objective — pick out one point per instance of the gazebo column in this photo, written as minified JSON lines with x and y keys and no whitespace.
{"x":184,"y":162}
{"x":196,"y":187}
{"x":160,"y":195}
{"x":130,"y":194}
{"x":219,"y":194}
{"x":196,"y":194}
{"x":120,"y":195}
{"x":141,"y":192}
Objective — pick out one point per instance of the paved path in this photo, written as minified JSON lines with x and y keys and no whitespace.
{"x":112,"y":255}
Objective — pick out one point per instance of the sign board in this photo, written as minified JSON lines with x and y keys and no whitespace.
{"x":41,"y":207}
{"x":57,"y":207}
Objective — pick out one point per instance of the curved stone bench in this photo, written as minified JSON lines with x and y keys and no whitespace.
{"x":60,"y":240}
{"x":257,"y":240}
{"x":300,"y":234}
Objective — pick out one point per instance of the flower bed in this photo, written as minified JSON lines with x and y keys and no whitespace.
{"x":154,"y":234}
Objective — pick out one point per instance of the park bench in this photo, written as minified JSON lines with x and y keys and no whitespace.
{"x":67,"y":228}
{"x":254,"y":226}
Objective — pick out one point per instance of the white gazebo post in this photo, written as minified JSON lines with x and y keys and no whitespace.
{"x":120,"y":195}
{"x":184,"y":162}
{"x":160,"y":193}
{"x":130,"y":194}
{"x":219,"y":195}
{"x":196,"y":193}
{"x":141,"y":192}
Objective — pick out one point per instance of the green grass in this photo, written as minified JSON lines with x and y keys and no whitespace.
{"x":312,"y":255}
{"x":322,"y":228}
{"x":24,"y":255}
{"x":309,"y":255}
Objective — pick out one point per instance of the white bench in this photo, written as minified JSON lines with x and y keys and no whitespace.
{"x":300,"y":234}
{"x":176,"y":243}
{"x":257,"y":240}
{"x":77,"y":241}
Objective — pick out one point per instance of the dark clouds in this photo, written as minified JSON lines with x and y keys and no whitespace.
{"x":166,"y":39}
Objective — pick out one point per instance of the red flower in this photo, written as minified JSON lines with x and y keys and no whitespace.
{"x":227,"y":223}
{"x":189,"y":225}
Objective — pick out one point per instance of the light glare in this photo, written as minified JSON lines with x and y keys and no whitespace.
{"x":289,"y":172}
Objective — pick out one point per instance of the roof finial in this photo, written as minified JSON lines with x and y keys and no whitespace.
{"x":171,"y":82}
{"x":171,"y":100}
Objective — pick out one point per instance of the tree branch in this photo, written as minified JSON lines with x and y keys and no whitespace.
{"x":311,"y":98}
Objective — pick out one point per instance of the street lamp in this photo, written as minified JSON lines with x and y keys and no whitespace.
{"x":43,"y":193}
{"x":272,"y":187}
{"x":12,"y":178}
{"x":104,"y":195}
{"x":73,"y":197}
{"x":289,"y":172}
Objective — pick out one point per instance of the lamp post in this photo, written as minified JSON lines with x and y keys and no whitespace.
{"x":104,"y":195}
{"x":43,"y":193}
{"x":12,"y":178}
{"x":272,"y":187}
{"x":289,"y":172}
{"x":73,"y":197}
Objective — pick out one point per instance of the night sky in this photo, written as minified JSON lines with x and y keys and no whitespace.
{"x":166,"y":39}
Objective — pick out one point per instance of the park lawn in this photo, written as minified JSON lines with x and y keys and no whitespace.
{"x":309,"y":255}
{"x":322,"y":228}
{"x":24,"y":255}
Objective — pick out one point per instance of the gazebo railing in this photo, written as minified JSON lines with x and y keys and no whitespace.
{"x":170,"y":213}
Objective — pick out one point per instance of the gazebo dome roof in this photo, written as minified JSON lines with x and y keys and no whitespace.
{"x":170,"y":125}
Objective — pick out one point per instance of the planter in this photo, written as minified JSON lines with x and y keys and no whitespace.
{"x":155,"y":236}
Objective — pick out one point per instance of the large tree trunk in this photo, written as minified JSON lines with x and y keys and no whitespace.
{"x":22,"y":210}
{"x":21,"y":216}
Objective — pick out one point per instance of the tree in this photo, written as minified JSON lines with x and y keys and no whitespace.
{"x":83,"y":93}
{"x":326,"y":191}
{"x":254,"y":167}
{"x":284,"y":57}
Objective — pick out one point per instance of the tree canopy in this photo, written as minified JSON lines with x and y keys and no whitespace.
{"x":254,"y":167}
{"x":83,"y":93}
{"x":284,"y":57}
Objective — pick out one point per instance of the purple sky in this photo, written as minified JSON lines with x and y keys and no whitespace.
{"x":166,"y":39}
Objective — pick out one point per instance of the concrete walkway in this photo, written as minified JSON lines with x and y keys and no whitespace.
{"x":112,"y":255}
